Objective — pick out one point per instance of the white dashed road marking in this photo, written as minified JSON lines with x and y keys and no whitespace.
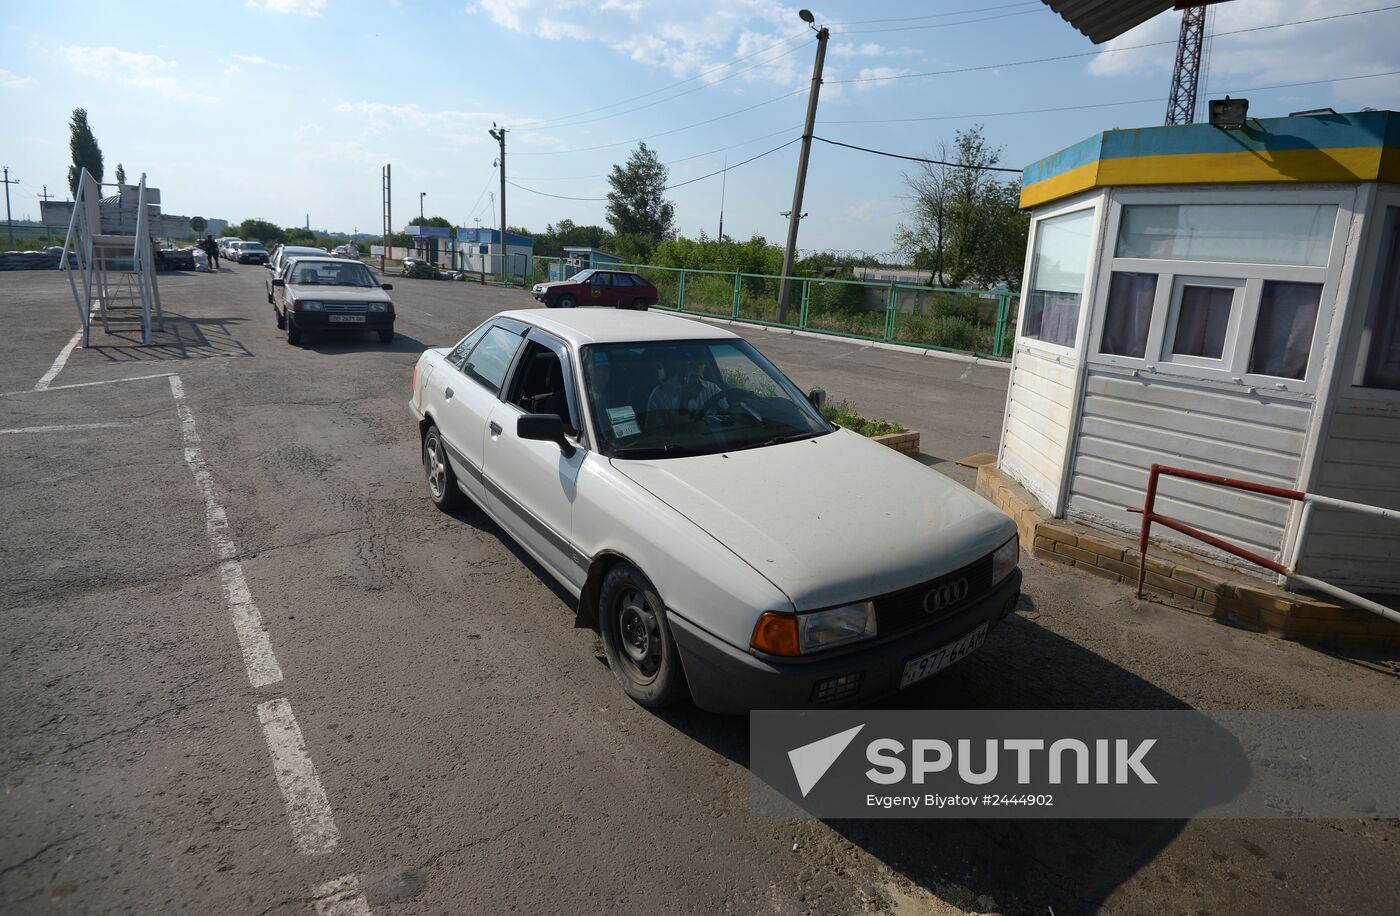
{"x":341,"y":897}
{"x":307,"y":808}
{"x":60,"y":429}
{"x":258,"y":657}
{"x":58,"y":363}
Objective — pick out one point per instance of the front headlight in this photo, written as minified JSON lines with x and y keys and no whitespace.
{"x":311,"y":306}
{"x":379,"y":306}
{"x":1004,"y":558}
{"x":823,"y":629}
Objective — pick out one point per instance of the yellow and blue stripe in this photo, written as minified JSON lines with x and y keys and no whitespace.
{"x":1364,"y":146}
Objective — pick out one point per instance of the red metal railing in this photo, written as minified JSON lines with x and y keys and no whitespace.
{"x":1150,"y":515}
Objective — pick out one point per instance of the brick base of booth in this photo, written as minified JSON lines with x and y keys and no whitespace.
{"x":906,"y":443}
{"x":1184,"y":580}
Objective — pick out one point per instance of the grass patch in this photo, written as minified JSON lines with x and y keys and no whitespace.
{"x":843,"y":414}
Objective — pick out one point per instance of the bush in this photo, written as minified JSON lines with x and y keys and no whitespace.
{"x":843,"y":414}
{"x":954,"y":306}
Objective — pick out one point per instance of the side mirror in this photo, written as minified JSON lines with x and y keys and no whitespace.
{"x":818,"y":397}
{"x":386,"y":286}
{"x":544,"y":427}
{"x":278,"y":281}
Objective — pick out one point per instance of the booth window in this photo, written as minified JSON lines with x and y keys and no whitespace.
{"x":1383,"y":359}
{"x":1202,"y":320}
{"x":1298,"y":234}
{"x":1058,"y":267}
{"x":1129,"y":315}
{"x":1284,"y":333}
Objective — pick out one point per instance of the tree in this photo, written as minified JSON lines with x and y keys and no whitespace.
{"x":86,"y":153}
{"x":966,"y":224}
{"x":439,"y":222}
{"x":121,"y":174}
{"x":261,"y":230}
{"x":636,"y":205}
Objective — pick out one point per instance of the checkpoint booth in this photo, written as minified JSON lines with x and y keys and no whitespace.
{"x":1226,"y":301}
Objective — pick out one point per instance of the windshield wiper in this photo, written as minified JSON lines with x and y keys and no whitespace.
{"x":658,"y":451}
{"x":779,"y":440}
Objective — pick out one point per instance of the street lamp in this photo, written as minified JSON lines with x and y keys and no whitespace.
{"x":421,"y":195}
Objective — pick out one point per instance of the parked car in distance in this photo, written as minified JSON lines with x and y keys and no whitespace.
{"x":728,"y":540}
{"x":226,"y":244}
{"x":615,"y":288}
{"x":281,"y":255}
{"x":331,"y":294}
{"x":250,"y":253}
{"x":348,"y":250}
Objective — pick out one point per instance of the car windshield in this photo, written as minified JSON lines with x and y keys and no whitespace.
{"x":581,"y":277}
{"x":252,"y":246}
{"x":675,"y":399}
{"x":337,"y":273}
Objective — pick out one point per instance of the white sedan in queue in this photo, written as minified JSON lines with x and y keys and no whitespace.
{"x":729,"y":542}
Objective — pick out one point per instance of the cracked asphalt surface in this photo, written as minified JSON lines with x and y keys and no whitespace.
{"x":473,"y":746}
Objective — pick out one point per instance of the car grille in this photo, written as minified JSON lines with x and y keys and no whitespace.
{"x":906,"y":610}
{"x":344,"y":307}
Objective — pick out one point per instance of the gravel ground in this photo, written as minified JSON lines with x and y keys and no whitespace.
{"x":473,"y":747}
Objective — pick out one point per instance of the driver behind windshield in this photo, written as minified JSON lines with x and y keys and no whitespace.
{"x":681,"y":395}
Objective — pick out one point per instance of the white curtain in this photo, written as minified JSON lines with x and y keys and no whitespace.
{"x":1283,"y":337}
{"x":1129,"y":314}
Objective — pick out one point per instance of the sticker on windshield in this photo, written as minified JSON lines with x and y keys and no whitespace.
{"x":624,"y":421}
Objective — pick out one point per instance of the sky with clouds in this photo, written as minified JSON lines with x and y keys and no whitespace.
{"x":287,"y":109}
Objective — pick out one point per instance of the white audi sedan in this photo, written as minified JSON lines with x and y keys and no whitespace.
{"x":728,"y":541}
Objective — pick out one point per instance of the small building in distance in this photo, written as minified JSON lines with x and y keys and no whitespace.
{"x":481,"y":252}
{"x":578,"y":258}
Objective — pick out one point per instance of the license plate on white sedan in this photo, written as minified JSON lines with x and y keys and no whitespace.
{"x":348,"y":319}
{"x":916,"y":669}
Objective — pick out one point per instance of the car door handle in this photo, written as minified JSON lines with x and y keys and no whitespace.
{"x":495,"y":428}
{"x":447,"y":394}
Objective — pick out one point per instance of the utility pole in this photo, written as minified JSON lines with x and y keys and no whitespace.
{"x":499,"y":134}
{"x":795,"y":214}
{"x":46,"y":195}
{"x":388,"y":221}
{"x":723,"y":183}
{"x":421,"y":195}
{"x":9,"y":224}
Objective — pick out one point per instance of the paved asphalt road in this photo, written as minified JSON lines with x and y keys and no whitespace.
{"x":446,"y":741}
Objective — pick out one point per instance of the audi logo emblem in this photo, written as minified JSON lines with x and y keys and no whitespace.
{"x":945,"y":595}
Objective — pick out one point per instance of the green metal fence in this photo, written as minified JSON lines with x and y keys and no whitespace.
{"x":962,"y":320}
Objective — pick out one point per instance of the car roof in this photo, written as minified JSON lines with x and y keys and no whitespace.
{"x":596,"y":325}
{"x":323,"y":258}
{"x":301,"y":249}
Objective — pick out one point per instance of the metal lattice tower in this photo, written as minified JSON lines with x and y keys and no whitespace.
{"x":1181,"y":105}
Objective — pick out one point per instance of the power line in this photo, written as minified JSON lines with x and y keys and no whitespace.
{"x":720,"y":149}
{"x":700,"y":75}
{"x":880,"y":152}
{"x":1150,"y":44}
{"x":939,"y":25}
{"x":674,"y":130}
{"x":662,"y":101}
{"x":1154,"y":100}
{"x":944,"y":15}
{"x":670,"y":187}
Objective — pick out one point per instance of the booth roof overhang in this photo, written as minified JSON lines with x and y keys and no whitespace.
{"x":1363,"y":146}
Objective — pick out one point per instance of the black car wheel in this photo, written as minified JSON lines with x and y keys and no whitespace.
{"x":281,"y":319}
{"x":293,"y":332}
{"x":640,"y":305}
{"x":564,"y":302}
{"x":637,"y":640}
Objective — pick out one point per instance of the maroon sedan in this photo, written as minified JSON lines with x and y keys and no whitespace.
{"x":614,"y":288}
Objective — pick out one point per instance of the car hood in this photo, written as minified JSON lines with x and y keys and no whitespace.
{"x":337,"y":293}
{"x":829,"y":520}
{"x":554,"y":283}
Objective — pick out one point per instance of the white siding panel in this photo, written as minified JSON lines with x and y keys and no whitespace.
{"x":1129,"y":424}
{"x":1360,"y":462}
{"x":1038,"y":418}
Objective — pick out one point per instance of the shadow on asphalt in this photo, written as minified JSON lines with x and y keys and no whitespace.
{"x":333,"y":342}
{"x":1025,"y":866}
{"x":179,"y":338}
